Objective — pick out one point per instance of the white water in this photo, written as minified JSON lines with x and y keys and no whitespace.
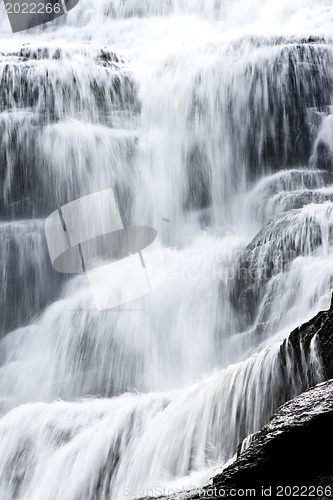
{"x":193,"y":112}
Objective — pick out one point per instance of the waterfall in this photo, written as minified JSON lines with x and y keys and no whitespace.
{"x":212,"y":123}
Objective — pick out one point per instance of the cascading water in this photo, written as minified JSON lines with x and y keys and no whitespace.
{"x":211,"y":120}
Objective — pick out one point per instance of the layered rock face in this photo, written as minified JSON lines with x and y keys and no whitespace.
{"x":60,"y":113}
{"x":43,"y":90}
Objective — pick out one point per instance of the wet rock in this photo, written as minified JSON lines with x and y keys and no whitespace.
{"x":49,"y":81}
{"x":280,"y":96}
{"x":285,"y":237}
{"x":321,"y":328}
{"x":287,"y":190}
{"x":45,"y":86}
{"x":270,"y":122}
{"x":291,"y":450}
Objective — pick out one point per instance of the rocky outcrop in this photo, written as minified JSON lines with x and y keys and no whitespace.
{"x":299,"y":232}
{"x":319,"y":328}
{"x":295,"y":88}
{"x":298,"y":80}
{"x":270,"y":122}
{"x":288,"y":190}
{"x":49,"y":81}
{"x":292,"y":450}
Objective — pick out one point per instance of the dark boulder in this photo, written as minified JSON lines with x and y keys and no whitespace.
{"x":292,"y":450}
